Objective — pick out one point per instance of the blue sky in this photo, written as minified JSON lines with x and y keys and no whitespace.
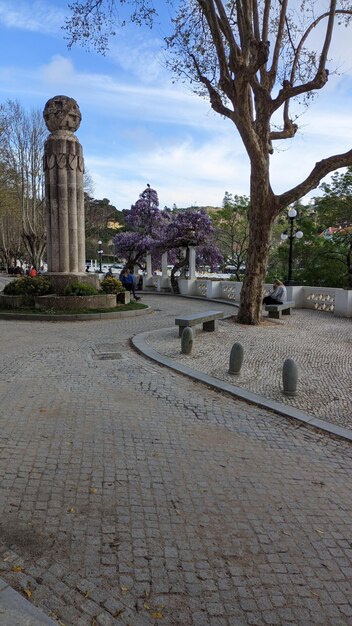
{"x":139,"y":128}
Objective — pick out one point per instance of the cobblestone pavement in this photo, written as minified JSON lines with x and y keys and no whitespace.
{"x":132,"y":495}
{"x":320,"y":344}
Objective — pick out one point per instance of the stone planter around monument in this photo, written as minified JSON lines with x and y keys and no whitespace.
{"x":65,"y":303}
{"x":123,"y":298}
{"x":16,"y":302}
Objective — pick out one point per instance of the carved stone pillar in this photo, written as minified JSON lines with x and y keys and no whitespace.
{"x":64,"y":197}
{"x":63,"y":167}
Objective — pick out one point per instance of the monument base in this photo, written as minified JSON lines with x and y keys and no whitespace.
{"x":60,"y":280}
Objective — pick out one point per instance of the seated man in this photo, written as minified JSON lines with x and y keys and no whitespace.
{"x":127,"y":280}
{"x":278,"y":294}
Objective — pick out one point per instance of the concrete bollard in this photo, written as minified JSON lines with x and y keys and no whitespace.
{"x":289,"y":377}
{"x":236,"y":358}
{"x":187,"y":340}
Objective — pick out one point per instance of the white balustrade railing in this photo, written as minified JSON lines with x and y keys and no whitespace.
{"x":201,"y":288}
{"x":230,"y":290}
{"x":319,"y":298}
{"x":327,"y":299}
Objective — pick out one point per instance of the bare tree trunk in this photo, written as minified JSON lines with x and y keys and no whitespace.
{"x":264,"y":208}
{"x":257,"y":258}
{"x":178,"y":266}
{"x":174,"y":282}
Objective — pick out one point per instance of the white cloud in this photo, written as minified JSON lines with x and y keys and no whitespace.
{"x":183,"y":173}
{"x":36,"y":16}
{"x":167,"y":104}
{"x":60,"y":70}
{"x":142,"y":60}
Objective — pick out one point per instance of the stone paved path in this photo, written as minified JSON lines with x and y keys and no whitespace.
{"x":132,"y":495}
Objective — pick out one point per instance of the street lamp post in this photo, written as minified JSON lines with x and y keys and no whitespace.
{"x":100,"y":252}
{"x":292,"y":214}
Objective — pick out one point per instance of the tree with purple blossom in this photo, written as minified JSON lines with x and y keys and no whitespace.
{"x":144,"y":223}
{"x":188,"y":228}
{"x":150,"y":230}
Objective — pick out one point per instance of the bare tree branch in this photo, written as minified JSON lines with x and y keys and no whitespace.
{"x":278,"y":42}
{"x":321,"y":169}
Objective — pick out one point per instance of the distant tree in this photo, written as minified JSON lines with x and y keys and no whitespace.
{"x":21,"y":149}
{"x":302,"y":249}
{"x":11,"y":242}
{"x":251,"y":59}
{"x":317,"y":260}
{"x":334,"y":207}
{"x":342,"y":253}
{"x":102,"y":221}
{"x":232,"y":231}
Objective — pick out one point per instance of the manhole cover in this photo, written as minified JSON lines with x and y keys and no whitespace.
{"x":110,"y":356}
{"x":108,"y":347}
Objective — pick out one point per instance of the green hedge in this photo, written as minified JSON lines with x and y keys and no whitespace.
{"x":27,"y":286}
{"x":109,"y":284}
{"x":80,"y":289}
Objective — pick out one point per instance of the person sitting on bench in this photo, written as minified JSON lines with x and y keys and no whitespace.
{"x":278,"y":294}
{"x":127,"y":280}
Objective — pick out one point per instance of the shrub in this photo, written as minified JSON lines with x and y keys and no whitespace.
{"x":26,"y":286}
{"x":112,"y":285}
{"x":80,"y":289}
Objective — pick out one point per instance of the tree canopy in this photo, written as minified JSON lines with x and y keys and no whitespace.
{"x":231,"y":231}
{"x":323,"y":257}
{"x":335,"y":205}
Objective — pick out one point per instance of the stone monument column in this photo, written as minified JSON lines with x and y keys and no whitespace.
{"x":64,"y":167}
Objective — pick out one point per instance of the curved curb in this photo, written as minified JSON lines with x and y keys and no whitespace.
{"x":15,"y":609}
{"x":74,"y":317}
{"x":138,"y":342}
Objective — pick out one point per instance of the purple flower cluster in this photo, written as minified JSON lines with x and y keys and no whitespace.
{"x":155,"y":231}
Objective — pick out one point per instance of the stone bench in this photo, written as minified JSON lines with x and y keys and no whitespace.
{"x":276,"y":310}
{"x":207,"y":318}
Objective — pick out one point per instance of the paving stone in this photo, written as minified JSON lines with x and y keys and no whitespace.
{"x":123,"y":484}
